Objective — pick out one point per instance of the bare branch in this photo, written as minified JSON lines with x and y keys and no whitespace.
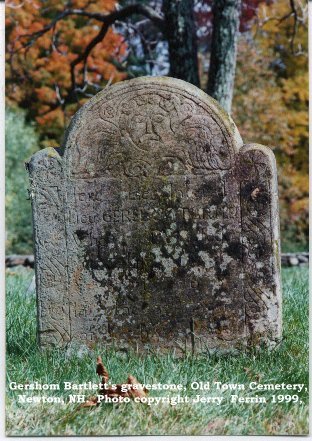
{"x":298,"y":19}
{"x":54,"y":42}
{"x":84,"y":56}
{"x":295,"y":25}
{"x":106,"y":19}
{"x":58,"y":95}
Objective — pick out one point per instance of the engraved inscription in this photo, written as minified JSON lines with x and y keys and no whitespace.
{"x":157,"y":228}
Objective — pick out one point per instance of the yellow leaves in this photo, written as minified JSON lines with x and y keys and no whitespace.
{"x":301,"y":182}
{"x":296,"y":88}
{"x":299,"y":206}
{"x":270,"y":106}
{"x":81,"y":38}
{"x":277,"y":31}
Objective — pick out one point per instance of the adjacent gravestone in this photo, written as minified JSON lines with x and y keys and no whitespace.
{"x":157,"y":228}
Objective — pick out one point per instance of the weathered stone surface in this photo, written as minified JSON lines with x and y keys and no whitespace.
{"x":157,"y":228}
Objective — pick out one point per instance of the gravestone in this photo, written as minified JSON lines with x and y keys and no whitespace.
{"x":156,"y":228}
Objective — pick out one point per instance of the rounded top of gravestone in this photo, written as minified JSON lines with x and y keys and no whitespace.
{"x":150,"y":126}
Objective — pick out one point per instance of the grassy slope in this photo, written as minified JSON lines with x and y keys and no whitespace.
{"x":288,"y":363}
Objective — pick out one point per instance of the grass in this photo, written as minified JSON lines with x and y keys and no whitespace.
{"x":287,"y":363}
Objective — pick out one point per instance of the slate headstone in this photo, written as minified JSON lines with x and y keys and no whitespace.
{"x":156,"y":228}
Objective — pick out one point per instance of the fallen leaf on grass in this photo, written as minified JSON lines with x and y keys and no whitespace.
{"x":136,"y":392}
{"x":101,"y":369}
{"x":91,"y":402}
{"x":114,"y":392}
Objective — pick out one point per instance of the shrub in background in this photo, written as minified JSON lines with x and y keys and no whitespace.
{"x":21,"y":142}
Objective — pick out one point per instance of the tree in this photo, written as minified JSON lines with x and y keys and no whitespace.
{"x":181,"y":35}
{"x":226,"y":18}
{"x":79,"y":47}
{"x":219,"y":23}
{"x":58,"y":56}
{"x":53,"y":64}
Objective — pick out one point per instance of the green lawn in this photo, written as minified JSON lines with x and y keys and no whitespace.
{"x":287,"y":363}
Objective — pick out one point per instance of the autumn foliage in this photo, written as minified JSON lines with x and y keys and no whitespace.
{"x":270,"y":103}
{"x":270,"y":106}
{"x":38,"y":75}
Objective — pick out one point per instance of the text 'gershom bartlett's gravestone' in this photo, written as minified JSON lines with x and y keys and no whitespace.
{"x":157,"y":228}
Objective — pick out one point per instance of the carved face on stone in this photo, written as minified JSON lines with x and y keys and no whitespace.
{"x":147,"y":123}
{"x":157,"y":228}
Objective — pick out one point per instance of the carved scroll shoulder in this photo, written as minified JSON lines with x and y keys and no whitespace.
{"x":256,"y":170}
{"x":47,"y":196}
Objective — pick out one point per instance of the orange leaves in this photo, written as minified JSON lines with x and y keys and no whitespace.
{"x":104,"y":6}
{"x":54,"y":118}
{"x":46,"y":94}
{"x":80,"y":38}
{"x":80,"y":4}
{"x":46,"y":62}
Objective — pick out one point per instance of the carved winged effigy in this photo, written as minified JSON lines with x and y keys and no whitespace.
{"x":157,"y":228}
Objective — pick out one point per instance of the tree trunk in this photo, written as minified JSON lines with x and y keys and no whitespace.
{"x":180,"y":31}
{"x":226,"y":15}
